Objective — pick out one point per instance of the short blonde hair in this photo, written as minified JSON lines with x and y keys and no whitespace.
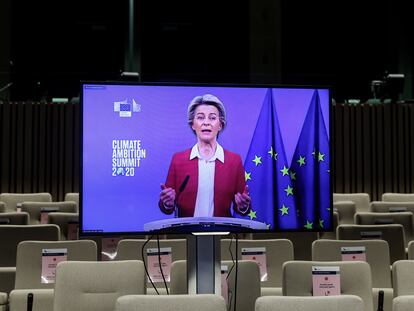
{"x":206,"y":99}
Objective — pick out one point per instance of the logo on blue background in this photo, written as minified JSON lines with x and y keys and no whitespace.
{"x":126,"y":107}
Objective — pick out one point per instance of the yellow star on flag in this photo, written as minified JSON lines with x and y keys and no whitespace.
{"x":271,"y":152}
{"x":257,"y":160}
{"x":289,"y":190}
{"x":320,"y":157}
{"x":284,"y":171}
{"x":308,"y":225}
{"x":301,"y":161}
{"x":321,"y":223}
{"x":284,"y":210}
{"x":252,"y":214}
{"x":247,"y":176}
{"x":292,"y":175}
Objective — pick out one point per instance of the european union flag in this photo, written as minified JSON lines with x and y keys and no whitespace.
{"x":267,"y":172}
{"x":310,"y":166}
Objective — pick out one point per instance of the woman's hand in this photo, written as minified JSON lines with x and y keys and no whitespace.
{"x":243,"y":200}
{"x":167,"y":196}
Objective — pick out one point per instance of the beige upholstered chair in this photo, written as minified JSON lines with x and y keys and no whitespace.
{"x":29,"y":271}
{"x":410,"y":250}
{"x":11,"y":236}
{"x":323,"y":303}
{"x":248,"y":282}
{"x":403,"y":218}
{"x":346,"y":211}
{"x":355,"y":278}
{"x":277,"y":252}
{"x":393,"y":234}
{"x":361,"y":200}
{"x":129,"y":249}
{"x":12,"y":199}
{"x":35,"y":209}
{"x":396,"y":197}
{"x":302,"y":241}
{"x":63,"y":220}
{"x":95,"y":286}
{"x":403,"y":303}
{"x":172,"y":302}
{"x":391,"y":207}
{"x":74,"y":197}
{"x":14,"y":218}
{"x":403,"y":277}
{"x":377,"y":255}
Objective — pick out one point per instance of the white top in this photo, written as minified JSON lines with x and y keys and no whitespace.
{"x":204,"y":206}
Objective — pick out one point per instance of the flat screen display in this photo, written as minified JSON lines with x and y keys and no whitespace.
{"x":194,"y":158}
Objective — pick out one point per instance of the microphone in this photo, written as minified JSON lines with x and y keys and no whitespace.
{"x":380,"y":301}
{"x":29,"y":301}
{"x":180,"y":190}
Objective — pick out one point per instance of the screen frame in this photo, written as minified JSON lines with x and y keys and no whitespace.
{"x":98,"y":233}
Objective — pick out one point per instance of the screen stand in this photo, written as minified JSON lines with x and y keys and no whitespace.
{"x":203,"y":264}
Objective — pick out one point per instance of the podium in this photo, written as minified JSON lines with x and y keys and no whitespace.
{"x":203,"y":248}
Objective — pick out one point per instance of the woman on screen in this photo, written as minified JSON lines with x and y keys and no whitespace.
{"x":205,"y":180}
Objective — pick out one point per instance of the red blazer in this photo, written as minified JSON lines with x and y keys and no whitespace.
{"x":228,"y":180}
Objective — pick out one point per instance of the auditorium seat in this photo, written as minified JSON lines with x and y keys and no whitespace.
{"x":322,"y":303}
{"x":12,"y":199}
{"x":2,"y":207}
{"x":361,"y":200}
{"x":396,"y":197}
{"x":302,"y":241}
{"x":74,"y":197}
{"x":403,"y":303}
{"x":132,"y":249}
{"x":204,"y":302}
{"x":403,"y":277}
{"x":346,"y":211}
{"x":248,"y":282}
{"x":35,"y":209}
{"x":393,"y":234}
{"x":410,"y":250}
{"x":95,"y":286}
{"x":14,"y":218}
{"x":403,"y":218}
{"x":277,"y":252}
{"x":29,"y":271}
{"x":391,"y":207}
{"x":377,"y":255}
{"x":355,"y":279}
{"x":64,"y":220}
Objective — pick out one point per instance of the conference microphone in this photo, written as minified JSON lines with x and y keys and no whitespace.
{"x":380,"y":301}
{"x":29,"y":302}
{"x":180,"y":190}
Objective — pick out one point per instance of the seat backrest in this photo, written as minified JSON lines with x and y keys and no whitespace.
{"x":2,"y":207}
{"x":376,"y":251}
{"x":403,"y":218}
{"x":393,"y":234}
{"x":248,"y":282}
{"x":83,"y":285}
{"x":355,"y":279}
{"x":12,"y":235}
{"x":277,"y":251}
{"x":204,"y":302}
{"x":403,"y":303}
{"x":410,"y":250}
{"x":302,"y":241}
{"x":346,"y":211}
{"x":14,"y":218}
{"x":396,"y":197}
{"x":29,"y":259}
{"x":361,"y":200}
{"x":35,"y":209}
{"x":390,"y":207}
{"x":74,"y":197}
{"x":12,"y":199}
{"x":322,"y":303}
{"x":402,"y":277}
{"x":63,"y":220}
